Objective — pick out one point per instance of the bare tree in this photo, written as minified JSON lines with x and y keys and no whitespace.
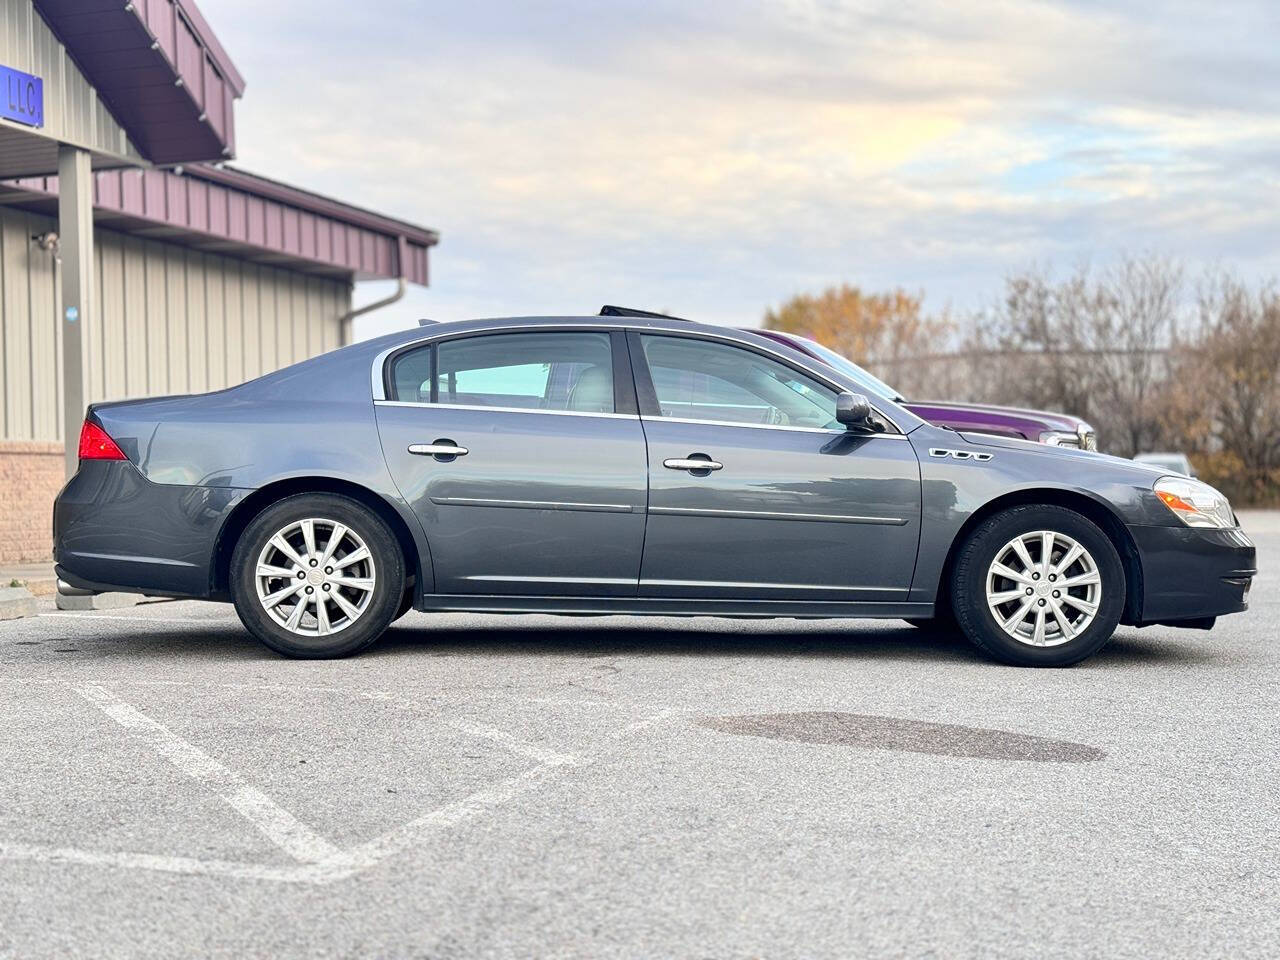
{"x":1092,"y":345}
{"x":1228,"y":381}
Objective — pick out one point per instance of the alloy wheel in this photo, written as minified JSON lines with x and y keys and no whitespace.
{"x":1043,"y":588}
{"x":315,"y":577}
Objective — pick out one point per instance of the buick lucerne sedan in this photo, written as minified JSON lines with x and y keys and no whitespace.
{"x":625,"y":464}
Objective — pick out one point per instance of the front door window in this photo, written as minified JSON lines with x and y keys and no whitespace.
{"x":703,"y":380}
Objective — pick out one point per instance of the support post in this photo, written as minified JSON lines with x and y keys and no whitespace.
{"x":75,"y":233}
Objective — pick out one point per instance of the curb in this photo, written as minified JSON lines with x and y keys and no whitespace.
{"x":16,"y":603}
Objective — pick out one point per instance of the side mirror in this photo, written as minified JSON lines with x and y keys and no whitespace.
{"x":854,"y":411}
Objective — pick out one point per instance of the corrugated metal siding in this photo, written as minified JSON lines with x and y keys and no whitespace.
{"x":72,"y":110}
{"x":169,"y":320}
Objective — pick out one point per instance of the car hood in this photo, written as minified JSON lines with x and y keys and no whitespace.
{"x":1053,"y":421}
{"x":1063,"y":453}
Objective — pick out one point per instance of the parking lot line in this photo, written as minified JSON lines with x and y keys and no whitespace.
{"x":276,"y":824}
{"x":507,"y":741}
{"x":320,"y":862}
{"x":155,"y":862}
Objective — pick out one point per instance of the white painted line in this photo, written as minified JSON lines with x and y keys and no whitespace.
{"x":277,"y":824}
{"x":646,"y":723}
{"x":514,"y":744}
{"x":418,"y":831}
{"x":147,"y":861}
{"x":323,"y":862}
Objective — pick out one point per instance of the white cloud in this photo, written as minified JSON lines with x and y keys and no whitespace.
{"x":714,"y":158}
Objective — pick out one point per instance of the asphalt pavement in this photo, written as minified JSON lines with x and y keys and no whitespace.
{"x":485,"y":786}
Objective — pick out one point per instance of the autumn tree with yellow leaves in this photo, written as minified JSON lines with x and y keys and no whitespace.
{"x":888,"y":330}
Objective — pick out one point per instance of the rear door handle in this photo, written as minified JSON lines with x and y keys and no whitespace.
{"x":438,"y":449}
{"x":693,"y":463}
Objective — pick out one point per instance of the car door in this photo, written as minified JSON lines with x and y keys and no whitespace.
{"x":789,"y":506}
{"x":523,"y":457}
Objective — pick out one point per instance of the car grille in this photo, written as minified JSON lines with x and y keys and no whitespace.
{"x":1089,"y":440}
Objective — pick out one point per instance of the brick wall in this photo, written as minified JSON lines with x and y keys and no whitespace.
{"x":31,"y":474}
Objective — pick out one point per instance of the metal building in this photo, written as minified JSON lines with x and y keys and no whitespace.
{"x":133,"y":260}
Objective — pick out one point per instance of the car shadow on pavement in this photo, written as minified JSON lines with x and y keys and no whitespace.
{"x":711,"y":638}
{"x":1133,"y":648}
{"x":609,"y":637}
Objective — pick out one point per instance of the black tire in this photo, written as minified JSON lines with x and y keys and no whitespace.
{"x":406,"y":604}
{"x":969,"y":597}
{"x":387,"y":562}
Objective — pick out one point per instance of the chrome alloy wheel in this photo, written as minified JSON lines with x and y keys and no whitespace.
{"x":1043,"y":588}
{"x":315,"y":577}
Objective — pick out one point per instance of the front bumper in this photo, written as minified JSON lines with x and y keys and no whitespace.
{"x":1192,"y":574}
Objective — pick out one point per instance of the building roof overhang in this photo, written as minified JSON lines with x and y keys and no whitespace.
{"x":159,"y":69}
{"x":230,"y":211}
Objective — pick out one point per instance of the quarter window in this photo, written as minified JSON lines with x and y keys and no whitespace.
{"x":534,"y":371}
{"x":702,"y":380}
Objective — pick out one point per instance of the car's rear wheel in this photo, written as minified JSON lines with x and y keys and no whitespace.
{"x":317,"y":575}
{"x":1038,"y":586}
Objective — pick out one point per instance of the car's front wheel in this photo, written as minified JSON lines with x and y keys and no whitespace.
{"x":1038,"y":586}
{"x":317,"y":575}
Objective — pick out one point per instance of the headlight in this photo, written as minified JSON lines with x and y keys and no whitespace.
{"x":1060,"y":438}
{"x":1194,"y":503}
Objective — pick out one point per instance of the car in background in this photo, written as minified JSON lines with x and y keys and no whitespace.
{"x":1173,"y":462}
{"x":1040,"y":426}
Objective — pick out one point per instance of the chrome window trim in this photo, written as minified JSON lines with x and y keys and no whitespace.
{"x":776,"y":426}
{"x":476,"y":406}
{"x":379,"y":362}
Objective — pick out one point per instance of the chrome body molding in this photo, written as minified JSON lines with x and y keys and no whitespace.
{"x":533,"y":504}
{"x":721,"y":584}
{"x":775,"y":515}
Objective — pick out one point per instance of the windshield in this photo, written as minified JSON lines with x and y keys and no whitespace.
{"x":847,"y":366}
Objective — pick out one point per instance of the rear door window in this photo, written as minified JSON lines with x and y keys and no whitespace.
{"x":557,"y":371}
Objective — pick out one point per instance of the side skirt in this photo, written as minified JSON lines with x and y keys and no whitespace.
{"x":674,"y":607}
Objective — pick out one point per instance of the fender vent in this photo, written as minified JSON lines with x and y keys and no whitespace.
{"x":959,"y":454}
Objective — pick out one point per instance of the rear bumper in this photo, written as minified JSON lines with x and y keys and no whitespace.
{"x":115,"y":530}
{"x":1191,"y":574}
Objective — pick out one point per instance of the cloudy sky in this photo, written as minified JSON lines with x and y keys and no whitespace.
{"x":713,"y":157}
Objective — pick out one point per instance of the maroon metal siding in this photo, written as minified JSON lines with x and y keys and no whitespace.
{"x":159,"y":69}
{"x":285,"y":226}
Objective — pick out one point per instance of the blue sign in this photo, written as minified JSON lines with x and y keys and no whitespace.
{"x":22,"y":97}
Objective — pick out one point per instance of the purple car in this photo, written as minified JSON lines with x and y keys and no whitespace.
{"x":1055,"y":429}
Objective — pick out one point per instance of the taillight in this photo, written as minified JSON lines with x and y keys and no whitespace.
{"x":96,"y":445}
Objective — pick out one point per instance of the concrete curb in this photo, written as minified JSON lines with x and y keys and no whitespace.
{"x":96,"y":601}
{"x":16,"y":603}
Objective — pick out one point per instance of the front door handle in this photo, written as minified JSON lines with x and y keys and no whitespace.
{"x":695,"y":462}
{"x":442,"y":450}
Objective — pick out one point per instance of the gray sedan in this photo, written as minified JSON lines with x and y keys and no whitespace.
{"x":625,"y":464}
